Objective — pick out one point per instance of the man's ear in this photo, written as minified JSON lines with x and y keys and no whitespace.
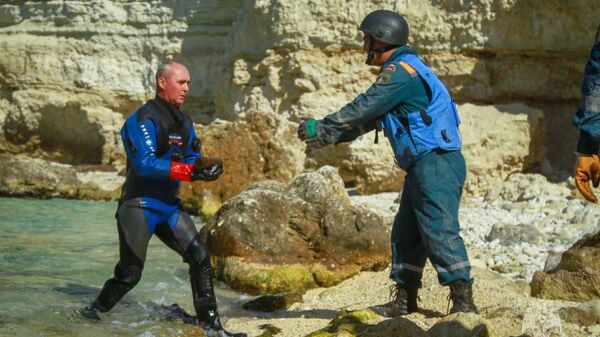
{"x":162,"y":82}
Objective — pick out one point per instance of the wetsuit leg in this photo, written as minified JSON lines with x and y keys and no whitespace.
{"x":134,"y":235}
{"x":181,"y":235}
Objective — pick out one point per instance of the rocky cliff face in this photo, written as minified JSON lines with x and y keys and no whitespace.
{"x":71,"y":71}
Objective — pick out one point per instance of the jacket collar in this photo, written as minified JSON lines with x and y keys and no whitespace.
{"x":405,"y":49}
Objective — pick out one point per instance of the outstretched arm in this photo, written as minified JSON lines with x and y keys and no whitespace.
{"x":361,"y":115}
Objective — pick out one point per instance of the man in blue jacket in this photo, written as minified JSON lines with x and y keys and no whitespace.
{"x":162,"y":150}
{"x":420,"y":120}
{"x":587,"y":120}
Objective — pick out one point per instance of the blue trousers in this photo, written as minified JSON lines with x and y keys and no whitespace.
{"x":426,"y":225}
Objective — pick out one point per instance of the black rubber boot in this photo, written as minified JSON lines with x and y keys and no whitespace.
{"x":404,"y":301}
{"x":205,"y":302}
{"x":91,"y":311}
{"x":113,"y":290}
{"x":461,"y":294}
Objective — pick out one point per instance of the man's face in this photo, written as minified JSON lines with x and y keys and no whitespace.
{"x":174,"y":85}
{"x":378,"y":58}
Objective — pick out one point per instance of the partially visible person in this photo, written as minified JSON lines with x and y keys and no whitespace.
{"x":420,"y":120}
{"x":162,"y":150}
{"x":587,"y":120}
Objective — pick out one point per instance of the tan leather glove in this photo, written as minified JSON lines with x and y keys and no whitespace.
{"x":586,"y":170}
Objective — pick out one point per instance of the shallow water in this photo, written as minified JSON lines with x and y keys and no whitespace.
{"x":56,"y":254}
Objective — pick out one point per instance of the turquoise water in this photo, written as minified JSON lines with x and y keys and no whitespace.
{"x":56,"y":254}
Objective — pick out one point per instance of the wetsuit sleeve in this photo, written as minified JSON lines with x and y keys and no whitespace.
{"x":391,"y":88}
{"x":587,"y":117}
{"x":193,"y":147}
{"x":139,"y":139}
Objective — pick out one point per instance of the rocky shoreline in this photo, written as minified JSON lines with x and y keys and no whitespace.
{"x":546,"y":219}
{"x":521,"y":226}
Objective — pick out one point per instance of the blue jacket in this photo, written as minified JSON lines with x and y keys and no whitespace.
{"x":587,"y":117}
{"x":419,"y":132}
{"x":153,"y":136}
{"x":397,"y":92}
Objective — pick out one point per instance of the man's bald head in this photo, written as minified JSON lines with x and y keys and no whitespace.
{"x":172,"y":82}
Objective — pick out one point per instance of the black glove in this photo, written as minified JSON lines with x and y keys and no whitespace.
{"x":317,"y":143}
{"x":207,"y":169}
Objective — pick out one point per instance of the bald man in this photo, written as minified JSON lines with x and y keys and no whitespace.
{"x":162,"y":150}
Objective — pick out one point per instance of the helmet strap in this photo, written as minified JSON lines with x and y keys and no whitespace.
{"x":370,"y":52}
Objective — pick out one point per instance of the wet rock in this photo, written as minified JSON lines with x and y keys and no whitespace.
{"x":577,"y":276}
{"x":364,"y":323}
{"x":462,"y":325}
{"x":269,"y":330}
{"x":270,"y":303}
{"x":398,"y":326}
{"x":275,"y":238}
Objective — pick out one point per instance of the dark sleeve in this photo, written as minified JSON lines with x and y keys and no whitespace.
{"x":139,"y":140}
{"x":391,"y":88}
{"x":350,"y":135}
{"x":193,"y":147}
{"x":587,"y":117}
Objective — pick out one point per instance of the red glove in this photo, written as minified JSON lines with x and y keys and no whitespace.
{"x":181,"y":171}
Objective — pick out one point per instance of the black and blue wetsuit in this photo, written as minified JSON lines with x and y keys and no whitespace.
{"x":154,"y":136}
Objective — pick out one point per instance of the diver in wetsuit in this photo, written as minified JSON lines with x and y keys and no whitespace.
{"x":162,"y":150}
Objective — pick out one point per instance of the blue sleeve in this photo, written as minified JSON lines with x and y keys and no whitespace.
{"x":139,"y":140}
{"x":193,"y":147}
{"x":587,"y":117}
{"x":391,"y":87}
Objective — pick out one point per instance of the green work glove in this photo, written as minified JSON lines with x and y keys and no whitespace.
{"x":311,"y":131}
{"x":307,"y":128}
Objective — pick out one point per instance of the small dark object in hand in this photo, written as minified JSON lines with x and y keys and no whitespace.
{"x":207,"y":169}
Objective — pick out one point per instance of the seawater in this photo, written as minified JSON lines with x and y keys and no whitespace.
{"x":55,"y":256}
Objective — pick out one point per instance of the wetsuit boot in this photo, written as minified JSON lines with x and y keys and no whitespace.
{"x":114,"y":289}
{"x":404,"y":301}
{"x":461,"y":294}
{"x":205,"y":302}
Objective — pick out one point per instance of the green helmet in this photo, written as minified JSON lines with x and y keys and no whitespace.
{"x":386,"y":26}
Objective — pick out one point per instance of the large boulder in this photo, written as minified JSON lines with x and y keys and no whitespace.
{"x":275,"y":238}
{"x":577,"y":276}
